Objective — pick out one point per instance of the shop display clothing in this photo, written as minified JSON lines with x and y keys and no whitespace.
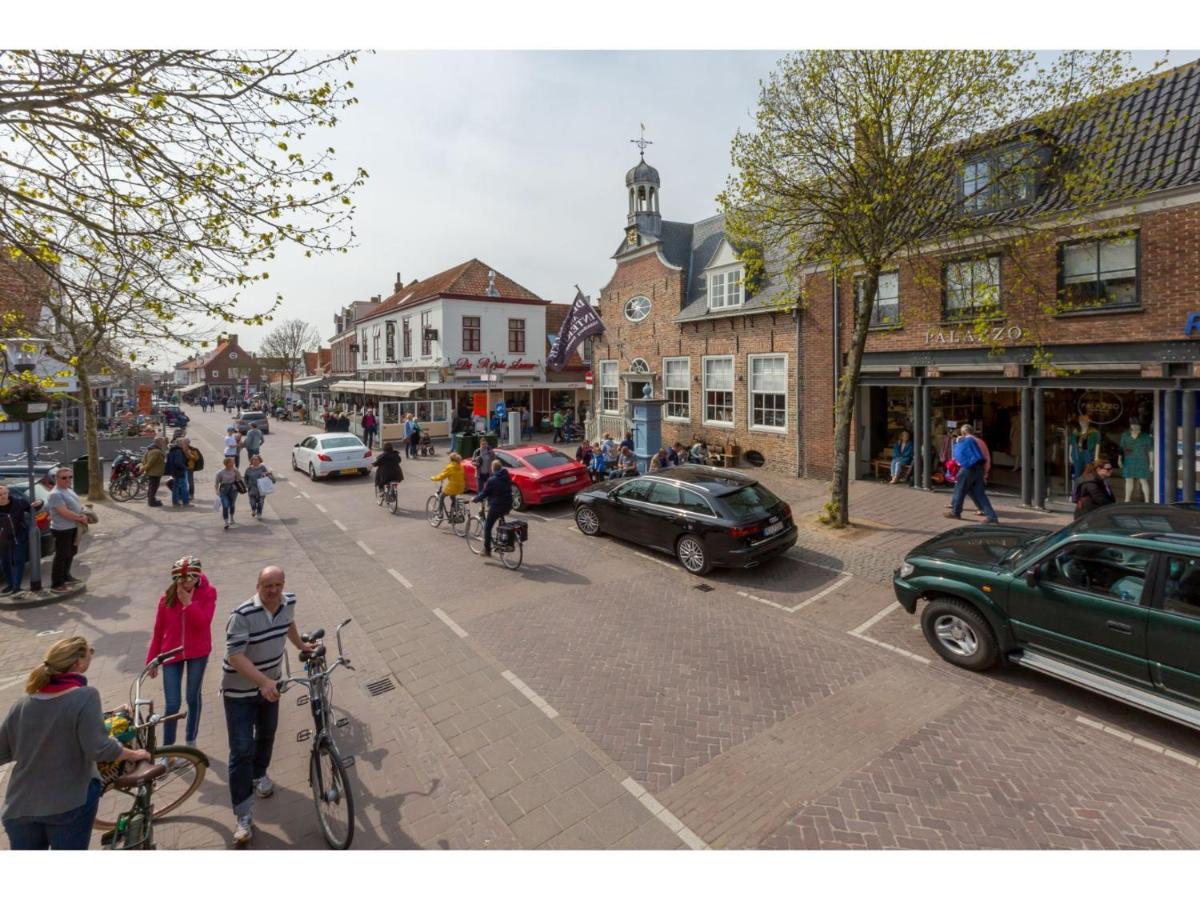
{"x":1083,"y":450}
{"x":1135,"y":455}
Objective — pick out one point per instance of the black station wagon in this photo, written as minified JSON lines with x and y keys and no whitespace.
{"x":1110,"y":603}
{"x":702,"y":515}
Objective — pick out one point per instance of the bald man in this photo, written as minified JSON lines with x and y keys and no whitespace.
{"x":254,"y":648}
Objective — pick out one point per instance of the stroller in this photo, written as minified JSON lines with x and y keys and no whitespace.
{"x":425,"y":446}
{"x":572,"y":432}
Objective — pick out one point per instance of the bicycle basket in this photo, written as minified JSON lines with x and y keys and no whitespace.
{"x":118,"y":726}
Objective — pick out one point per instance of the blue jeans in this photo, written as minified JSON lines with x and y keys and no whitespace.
{"x":493,"y":516}
{"x":12,"y":564}
{"x":970,"y":481}
{"x":180,"y":492}
{"x":228,"y":503}
{"x":256,"y":502}
{"x":251,"y":723}
{"x":172,"y":676}
{"x":70,"y":830}
{"x":898,"y":467}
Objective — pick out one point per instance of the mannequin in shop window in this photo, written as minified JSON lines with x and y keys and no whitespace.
{"x":1137,"y":449}
{"x":1085,"y":445}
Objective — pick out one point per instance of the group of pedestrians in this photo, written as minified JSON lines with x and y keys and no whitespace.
{"x":178,"y":462}
{"x":68,"y":517}
{"x":55,"y":734}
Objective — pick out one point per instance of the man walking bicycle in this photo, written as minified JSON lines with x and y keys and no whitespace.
{"x":254,"y":648}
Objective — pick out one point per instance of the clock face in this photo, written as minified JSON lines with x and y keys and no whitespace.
{"x":632,"y":236}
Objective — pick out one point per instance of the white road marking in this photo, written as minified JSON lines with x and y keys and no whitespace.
{"x":304,"y":495}
{"x":860,"y":633}
{"x":890,"y":608}
{"x":791,"y":609}
{"x":664,"y":815}
{"x":530,"y":694}
{"x":453,"y":626}
{"x":806,"y":562}
{"x":319,"y":507}
{"x":340,"y":525}
{"x":365,"y":549}
{"x":1139,"y":742}
{"x":654,"y":559}
{"x":400,"y":578}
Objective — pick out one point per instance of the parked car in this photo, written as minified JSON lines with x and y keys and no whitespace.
{"x":1110,"y":603}
{"x":175,"y":417}
{"x":540,"y":474}
{"x":20,"y":488}
{"x":253,"y":417}
{"x":331,"y":454}
{"x":703,"y":515}
{"x":18,"y":471}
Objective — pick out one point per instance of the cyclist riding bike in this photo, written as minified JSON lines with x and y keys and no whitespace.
{"x":498,"y":492}
{"x":387,"y":467}
{"x":456,"y":481}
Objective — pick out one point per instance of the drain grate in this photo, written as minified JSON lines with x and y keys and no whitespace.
{"x":382,"y":686}
{"x":706,"y":588}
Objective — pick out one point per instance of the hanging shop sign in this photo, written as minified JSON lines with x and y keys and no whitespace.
{"x":1102,"y":407}
{"x":463,"y":364}
{"x":937,"y":336}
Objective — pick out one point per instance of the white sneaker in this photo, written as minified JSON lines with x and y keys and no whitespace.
{"x":264,"y":786}
{"x":244,"y":830}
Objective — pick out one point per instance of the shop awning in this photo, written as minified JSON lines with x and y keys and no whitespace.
{"x":310,"y":381}
{"x":378,"y":388}
{"x":191,"y":389}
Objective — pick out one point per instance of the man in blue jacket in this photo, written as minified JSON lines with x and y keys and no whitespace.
{"x":498,"y":492}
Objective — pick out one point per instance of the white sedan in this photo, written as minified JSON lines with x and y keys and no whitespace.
{"x":331,"y":454}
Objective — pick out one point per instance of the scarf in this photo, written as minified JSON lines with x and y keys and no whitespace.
{"x":64,"y":682}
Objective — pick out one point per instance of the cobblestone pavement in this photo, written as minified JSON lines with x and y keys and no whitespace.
{"x":601,"y":697}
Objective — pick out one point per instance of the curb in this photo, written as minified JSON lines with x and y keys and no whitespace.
{"x":44,"y":597}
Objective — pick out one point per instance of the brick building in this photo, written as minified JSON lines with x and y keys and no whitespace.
{"x":225,"y":371}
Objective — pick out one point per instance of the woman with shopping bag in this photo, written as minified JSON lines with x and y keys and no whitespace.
{"x":260,"y":481}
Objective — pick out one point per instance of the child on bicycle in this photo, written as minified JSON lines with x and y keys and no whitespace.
{"x":455,"y":478}
{"x":387,"y":467}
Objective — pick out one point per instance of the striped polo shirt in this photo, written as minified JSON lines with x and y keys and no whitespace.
{"x":261,"y":637}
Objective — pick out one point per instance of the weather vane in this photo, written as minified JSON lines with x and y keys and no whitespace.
{"x":642,"y":142}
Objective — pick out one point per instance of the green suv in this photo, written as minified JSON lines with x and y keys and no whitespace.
{"x":1110,"y":603}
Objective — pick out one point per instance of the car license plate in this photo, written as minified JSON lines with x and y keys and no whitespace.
{"x":773,"y":529}
{"x":349,"y":471}
{"x":566,"y":480}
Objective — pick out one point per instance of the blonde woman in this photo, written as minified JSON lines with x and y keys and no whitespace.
{"x":55,"y":734}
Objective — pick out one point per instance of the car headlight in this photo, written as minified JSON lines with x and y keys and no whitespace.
{"x":906,"y":569}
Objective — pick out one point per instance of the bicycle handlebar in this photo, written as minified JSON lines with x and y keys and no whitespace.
{"x":282,"y":683}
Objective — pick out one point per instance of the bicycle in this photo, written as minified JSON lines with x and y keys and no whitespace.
{"x":435,"y":512}
{"x":175,"y":773}
{"x":327,"y":778}
{"x":387,"y":495}
{"x":507,"y":543}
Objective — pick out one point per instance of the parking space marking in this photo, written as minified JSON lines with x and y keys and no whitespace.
{"x":654,"y":560}
{"x":365,"y":549}
{"x":1151,"y":746}
{"x":887,"y":610}
{"x":801,"y":559}
{"x":664,"y":815}
{"x":860,"y":633}
{"x":320,"y":508}
{"x":530,"y":694}
{"x":304,"y":495}
{"x":799,"y":606}
{"x":400,"y":578}
{"x":340,"y":525}
{"x":451,"y":624}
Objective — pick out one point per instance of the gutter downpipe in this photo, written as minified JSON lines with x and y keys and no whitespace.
{"x":801,"y":460}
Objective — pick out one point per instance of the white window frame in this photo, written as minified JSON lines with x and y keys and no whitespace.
{"x":730,"y":278}
{"x":216,"y":373}
{"x":614,"y":384}
{"x":649,"y":307}
{"x":687,"y":363}
{"x":426,"y":324}
{"x":732,"y":391}
{"x":750,"y":392}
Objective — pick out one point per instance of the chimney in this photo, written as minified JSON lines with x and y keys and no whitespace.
{"x":377,"y":298}
{"x":491,"y":288}
{"x":399,"y":284}
{"x":231,"y":338}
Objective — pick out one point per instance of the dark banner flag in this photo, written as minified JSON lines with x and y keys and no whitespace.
{"x":582,"y":322}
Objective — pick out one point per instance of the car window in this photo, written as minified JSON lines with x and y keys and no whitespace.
{"x":750,"y":503}
{"x":341,"y":443}
{"x":1118,"y":573}
{"x":664,"y":494}
{"x":548,"y":459}
{"x":638,"y":489}
{"x":1181,"y":587}
{"x":509,"y":462}
{"x":308,"y":443}
{"x":694,"y":503}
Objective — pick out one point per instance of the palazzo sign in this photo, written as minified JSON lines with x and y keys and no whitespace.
{"x":998,"y":334}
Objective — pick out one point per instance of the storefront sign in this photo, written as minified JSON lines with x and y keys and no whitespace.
{"x":1193,"y":324}
{"x":1102,"y":407}
{"x":993,"y":334}
{"x":463,"y":364}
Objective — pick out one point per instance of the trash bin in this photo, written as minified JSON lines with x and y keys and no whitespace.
{"x":80,"y":467}
{"x":465,"y":443}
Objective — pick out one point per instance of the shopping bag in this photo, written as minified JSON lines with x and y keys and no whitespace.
{"x":266,"y":485}
{"x":216,"y":504}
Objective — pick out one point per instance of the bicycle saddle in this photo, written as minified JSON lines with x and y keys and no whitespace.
{"x":144,"y":773}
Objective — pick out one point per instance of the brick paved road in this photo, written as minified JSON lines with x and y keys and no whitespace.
{"x":597,"y":698}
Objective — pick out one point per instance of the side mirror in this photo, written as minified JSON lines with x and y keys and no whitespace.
{"x":295,"y":445}
{"x":1031,"y":576}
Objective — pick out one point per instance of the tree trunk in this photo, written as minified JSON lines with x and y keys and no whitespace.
{"x":95,"y":485}
{"x":838,"y":509}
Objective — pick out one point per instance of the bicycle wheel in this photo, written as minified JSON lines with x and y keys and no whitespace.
{"x":141,"y":486}
{"x":475,"y":534}
{"x":380,"y":494}
{"x":186,"y":767}
{"x":332,"y":796}
{"x":433,"y":510}
{"x":459,"y":520}
{"x":512,"y":558}
{"x":123,"y":489}
{"x":393,"y":500}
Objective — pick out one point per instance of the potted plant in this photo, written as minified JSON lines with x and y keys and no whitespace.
{"x":24,"y":398}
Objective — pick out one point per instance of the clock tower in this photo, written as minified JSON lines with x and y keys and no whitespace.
{"x":644,"y":221}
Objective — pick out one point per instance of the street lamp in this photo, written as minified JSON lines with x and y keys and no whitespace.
{"x":23,"y":355}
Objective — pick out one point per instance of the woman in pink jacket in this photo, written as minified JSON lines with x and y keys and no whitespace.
{"x":184,"y":619}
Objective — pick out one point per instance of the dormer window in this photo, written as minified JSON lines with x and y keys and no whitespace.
{"x":725,"y":288}
{"x":1002,"y":177}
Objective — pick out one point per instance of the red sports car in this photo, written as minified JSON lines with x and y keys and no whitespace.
{"x":540,"y":474}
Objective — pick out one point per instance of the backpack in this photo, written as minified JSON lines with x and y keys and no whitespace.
{"x":198,"y":465}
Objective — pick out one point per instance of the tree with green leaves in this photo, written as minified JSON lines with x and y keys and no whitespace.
{"x":858,"y":158}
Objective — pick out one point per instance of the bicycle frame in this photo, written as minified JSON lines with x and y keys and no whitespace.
{"x":316,"y":682}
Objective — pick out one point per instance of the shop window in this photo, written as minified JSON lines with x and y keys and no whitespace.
{"x":516,"y":335}
{"x":609,"y":391}
{"x":768,"y":392}
{"x":677,"y":386}
{"x":406,"y":329}
{"x":718,"y":390}
{"x":1099,"y":273}
{"x":471,"y":334}
{"x":886,"y":311}
{"x":971,"y":287}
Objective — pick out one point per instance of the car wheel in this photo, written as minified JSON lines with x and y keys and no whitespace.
{"x":295,"y":468}
{"x":692,"y":555}
{"x":959,"y":634}
{"x":518,"y":499}
{"x":312,"y":472}
{"x":587,"y":521}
